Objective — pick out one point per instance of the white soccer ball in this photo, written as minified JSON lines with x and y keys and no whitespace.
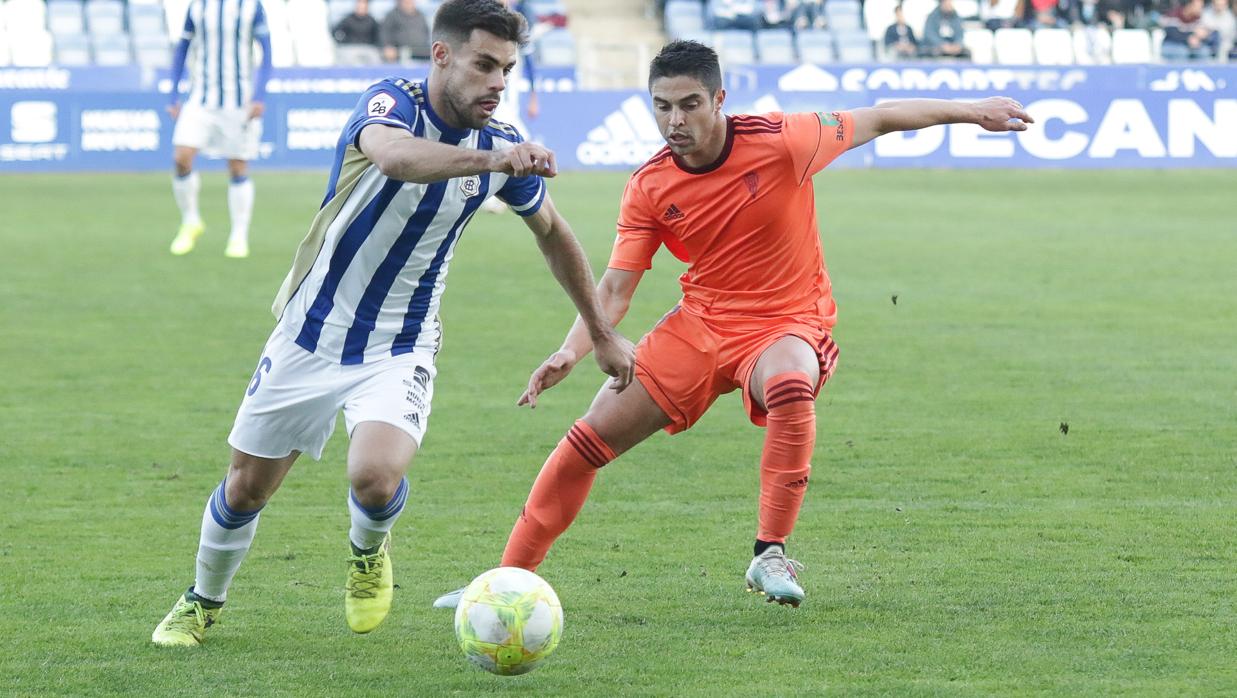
{"x":508,"y":620}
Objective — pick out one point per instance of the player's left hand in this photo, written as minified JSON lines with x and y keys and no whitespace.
{"x":256,"y":109}
{"x":547,"y":375}
{"x":616,"y":356}
{"x":1002,"y":114}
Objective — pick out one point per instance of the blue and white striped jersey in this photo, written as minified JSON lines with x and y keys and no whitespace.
{"x":221,"y":35}
{"x":367,"y":279}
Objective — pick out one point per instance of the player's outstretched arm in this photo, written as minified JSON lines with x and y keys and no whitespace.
{"x":614,"y":292}
{"x":993,"y":113}
{"x":401,"y":155}
{"x":566,"y":259}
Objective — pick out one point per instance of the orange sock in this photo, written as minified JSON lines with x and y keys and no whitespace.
{"x":786,"y":460}
{"x":557,"y":495}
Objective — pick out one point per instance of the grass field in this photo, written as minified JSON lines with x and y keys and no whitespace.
{"x":957,"y":542}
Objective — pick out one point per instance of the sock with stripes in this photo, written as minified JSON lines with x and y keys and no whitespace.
{"x":185,"y":191}
{"x":557,"y":495}
{"x":370,"y":526}
{"x":240,"y":206}
{"x":225,"y":540}
{"x":785,"y":462}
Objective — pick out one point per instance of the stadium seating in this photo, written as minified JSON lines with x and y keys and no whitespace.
{"x":683,"y":16}
{"x":815,"y":46}
{"x":152,"y":51}
{"x":1131,"y":46}
{"x":776,"y":46}
{"x":72,"y":50}
{"x":1014,"y":46}
{"x":853,"y":46}
{"x":1092,"y":45}
{"x":311,"y":37}
{"x":844,"y":15}
{"x":147,"y":20}
{"x":105,"y":17}
{"x":736,"y":47}
{"x":981,"y":44}
{"x":1053,"y":46}
{"x":65,"y":18}
{"x":557,"y":48}
{"x":111,"y":49}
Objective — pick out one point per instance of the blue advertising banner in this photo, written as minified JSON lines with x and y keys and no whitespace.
{"x":1109,"y":116}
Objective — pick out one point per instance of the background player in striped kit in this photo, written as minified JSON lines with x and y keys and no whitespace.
{"x":222,"y":113}
{"x":732,"y":196}
{"x":358,"y":327}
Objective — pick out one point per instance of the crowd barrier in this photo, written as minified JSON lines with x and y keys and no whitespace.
{"x":114,"y":119}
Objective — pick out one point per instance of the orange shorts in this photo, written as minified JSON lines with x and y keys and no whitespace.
{"x":686,"y":362}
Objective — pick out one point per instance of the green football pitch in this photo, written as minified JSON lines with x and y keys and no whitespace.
{"x":957,"y":540}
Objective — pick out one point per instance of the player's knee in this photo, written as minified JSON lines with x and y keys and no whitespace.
{"x":246,"y":493}
{"x":374,"y":487}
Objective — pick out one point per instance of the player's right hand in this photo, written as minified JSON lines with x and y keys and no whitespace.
{"x":547,"y":375}
{"x":525,"y":159}
{"x":616,"y":356}
{"x":1002,"y":114}
{"x":174,"y":110}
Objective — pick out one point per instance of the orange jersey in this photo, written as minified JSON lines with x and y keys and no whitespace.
{"x":746,"y":225}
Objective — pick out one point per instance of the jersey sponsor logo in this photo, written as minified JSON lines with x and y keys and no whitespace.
{"x":830,"y":120}
{"x":752,"y":180}
{"x":628,"y":136}
{"x":380,"y":104}
{"x":672,"y":214}
{"x":470,"y":186}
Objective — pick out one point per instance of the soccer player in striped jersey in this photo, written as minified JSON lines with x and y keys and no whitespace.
{"x":222,"y":113}
{"x":358,"y":328}
{"x":732,"y":197}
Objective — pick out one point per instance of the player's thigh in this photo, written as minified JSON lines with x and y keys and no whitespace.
{"x":624,"y":419}
{"x":378,"y":457}
{"x":194,"y":128}
{"x":290,"y":404}
{"x":238,"y":136}
{"x":789,"y":354}
{"x":387,"y":410}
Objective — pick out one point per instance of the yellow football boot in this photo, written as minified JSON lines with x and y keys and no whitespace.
{"x":185,"y":625}
{"x":368,"y":591}
{"x":187,"y":237}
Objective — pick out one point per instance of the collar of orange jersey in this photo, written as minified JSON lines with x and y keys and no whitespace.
{"x":721,"y":157}
{"x":449,"y":133}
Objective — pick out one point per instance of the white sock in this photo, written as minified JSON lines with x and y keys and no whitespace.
{"x":240,"y":205}
{"x":226,"y":537}
{"x":370,"y":526}
{"x":185,"y":189}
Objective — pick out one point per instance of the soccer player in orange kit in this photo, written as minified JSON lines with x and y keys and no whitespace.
{"x":732,"y":196}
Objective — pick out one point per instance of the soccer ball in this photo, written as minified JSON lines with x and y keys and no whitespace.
{"x":508,"y":620}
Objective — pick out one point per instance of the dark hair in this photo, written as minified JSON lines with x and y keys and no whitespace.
{"x":689,"y":58}
{"x":455,"y":20}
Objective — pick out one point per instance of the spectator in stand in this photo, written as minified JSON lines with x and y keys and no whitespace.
{"x":736,"y":14}
{"x":900,"y":41}
{"x":1040,"y":14}
{"x":357,"y":37}
{"x":806,"y":14}
{"x":405,"y":33}
{"x":1219,"y":18}
{"x":1093,"y":13}
{"x":1185,"y":35}
{"x":942,"y":33}
{"x":998,"y":14}
{"x":774,"y":15}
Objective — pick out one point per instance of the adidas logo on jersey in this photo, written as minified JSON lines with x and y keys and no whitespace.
{"x":672,"y":214}
{"x":628,"y":136}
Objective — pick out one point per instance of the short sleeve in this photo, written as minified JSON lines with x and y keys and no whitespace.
{"x":383,"y":103}
{"x":815,"y":139}
{"x":523,"y":194}
{"x":260,"y":27}
{"x":639,"y":233}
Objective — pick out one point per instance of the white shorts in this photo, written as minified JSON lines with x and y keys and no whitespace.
{"x":227,"y":133}
{"x":294,"y":397}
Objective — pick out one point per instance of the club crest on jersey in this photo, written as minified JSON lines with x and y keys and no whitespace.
{"x":380,"y":104}
{"x":752,"y":180}
{"x":471,"y":186}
